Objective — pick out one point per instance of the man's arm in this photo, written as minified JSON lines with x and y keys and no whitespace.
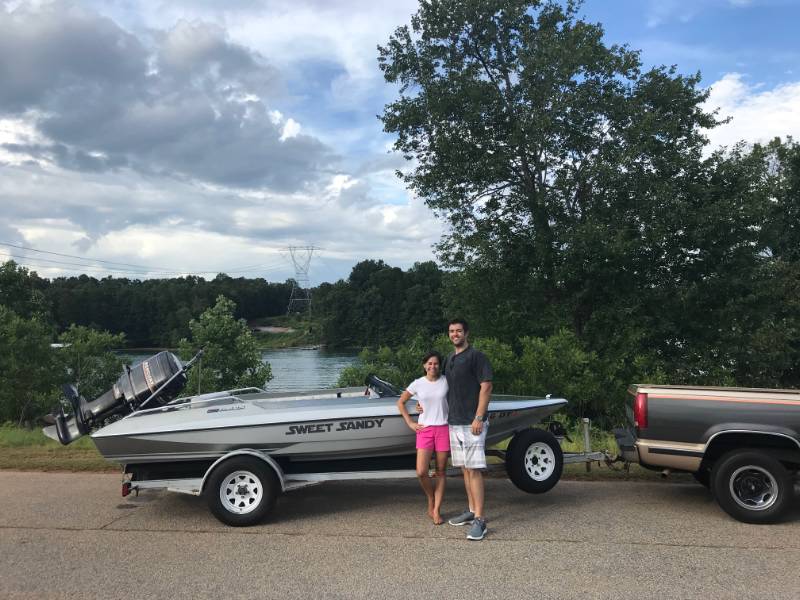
{"x":483,"y":406}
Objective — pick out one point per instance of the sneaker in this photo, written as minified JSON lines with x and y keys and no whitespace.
{"x":478,"y":530}
{"x":463,"y":519}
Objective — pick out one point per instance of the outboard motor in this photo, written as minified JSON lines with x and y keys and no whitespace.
{"x":153,"y":382}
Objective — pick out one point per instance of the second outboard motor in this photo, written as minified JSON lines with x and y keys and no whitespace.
{"x":383,"y":388}
{"x":154,"y":381}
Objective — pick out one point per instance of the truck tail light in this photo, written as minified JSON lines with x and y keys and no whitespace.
{"x":640,"y":411}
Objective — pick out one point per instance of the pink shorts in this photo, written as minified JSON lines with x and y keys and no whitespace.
{"x":434,"y":437}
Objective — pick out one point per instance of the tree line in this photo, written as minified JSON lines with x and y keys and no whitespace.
{"x":150,"y":313}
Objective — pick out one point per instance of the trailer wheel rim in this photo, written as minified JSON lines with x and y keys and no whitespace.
{"x":753,"y":487}
{"x":540,"y":461}
{"x":241,"y":492}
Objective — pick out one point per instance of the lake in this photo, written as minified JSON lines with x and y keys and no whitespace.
{"x":305,"y":369}
{"x":294,"y":369}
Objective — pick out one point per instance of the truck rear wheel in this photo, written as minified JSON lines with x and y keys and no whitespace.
{"x":752,"y":486}
{"x":241,"y":491}
{"x":534,"y":461}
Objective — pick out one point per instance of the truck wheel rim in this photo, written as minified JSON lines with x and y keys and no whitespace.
{"x":241,"y":492}
{"x":753,"y":488}
{"x":540,"y":461}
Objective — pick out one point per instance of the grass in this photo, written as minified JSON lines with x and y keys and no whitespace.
{"x":277,"y":341}
{"x":305,"y":333}
{"x":30,"y":450}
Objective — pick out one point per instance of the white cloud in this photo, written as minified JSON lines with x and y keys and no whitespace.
{"x":664,"y":11}
{"x":182,"y":227}
{"x":758,"y":114}
{"x":290,"y":129}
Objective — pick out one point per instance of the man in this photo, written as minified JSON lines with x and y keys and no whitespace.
{"x":469,"y":379}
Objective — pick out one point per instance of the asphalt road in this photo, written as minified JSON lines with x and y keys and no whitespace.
{"x":72,"y":535}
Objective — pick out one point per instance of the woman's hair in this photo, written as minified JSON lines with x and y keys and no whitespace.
{"x":430,"y":355}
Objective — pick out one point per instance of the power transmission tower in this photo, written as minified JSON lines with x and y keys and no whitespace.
{"x":300,"y":298}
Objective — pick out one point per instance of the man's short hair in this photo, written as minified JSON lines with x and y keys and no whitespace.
{"x":459,"y":321}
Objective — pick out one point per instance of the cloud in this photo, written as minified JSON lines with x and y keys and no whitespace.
{"x":104,"y":215}
{"x":200,"y":136}
{"x":186,"y":102}
{"x":664,"y":11}
{"x":757,"y":114}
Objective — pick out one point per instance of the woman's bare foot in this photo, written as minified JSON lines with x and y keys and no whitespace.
{"x":437,"y":518}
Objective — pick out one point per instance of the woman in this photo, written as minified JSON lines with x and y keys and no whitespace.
{"x":431,"y":429}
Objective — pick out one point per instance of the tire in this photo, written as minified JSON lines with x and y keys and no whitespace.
{"x":534,"y":461}
{"x":752,"y":486}
{"x":241,"y":491}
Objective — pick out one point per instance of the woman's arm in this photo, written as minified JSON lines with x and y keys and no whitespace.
{"x":401,"y":406}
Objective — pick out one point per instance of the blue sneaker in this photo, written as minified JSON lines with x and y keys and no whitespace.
{"x":462,"y":519}
{"x":478,"y":530}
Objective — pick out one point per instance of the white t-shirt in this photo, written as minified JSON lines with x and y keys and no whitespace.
{"x":432,"y":395}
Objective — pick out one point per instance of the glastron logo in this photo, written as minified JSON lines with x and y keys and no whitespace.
{"x":226,"y":409}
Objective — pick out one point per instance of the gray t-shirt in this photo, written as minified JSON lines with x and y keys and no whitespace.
{"x":465,"y":372}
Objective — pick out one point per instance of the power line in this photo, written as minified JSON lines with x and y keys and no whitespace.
{"x":137,"y":269}
{"x":110,"y":262}
{"x":41,"y":262}
{"x":85,"y":266}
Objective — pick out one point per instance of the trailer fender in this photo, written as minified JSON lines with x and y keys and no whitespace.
{"x":260,"y":455}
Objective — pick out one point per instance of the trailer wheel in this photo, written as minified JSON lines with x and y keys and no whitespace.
{"x":534,"y":461}
{"x":241,"y":491}
{"x":752,"y":486}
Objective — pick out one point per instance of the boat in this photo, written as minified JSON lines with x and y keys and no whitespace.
{"x":143,"y":424}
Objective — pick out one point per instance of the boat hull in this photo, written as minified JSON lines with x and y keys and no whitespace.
{"x":291,"y":432}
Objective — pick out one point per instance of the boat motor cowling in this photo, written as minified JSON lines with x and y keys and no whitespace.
{"x":153,"y":382}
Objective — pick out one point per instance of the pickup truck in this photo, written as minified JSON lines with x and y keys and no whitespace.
{"x":741,"y":443}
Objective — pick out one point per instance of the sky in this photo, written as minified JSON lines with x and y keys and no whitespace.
{"x":155,"y":138}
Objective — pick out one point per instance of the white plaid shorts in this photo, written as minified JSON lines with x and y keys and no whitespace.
{"x":466,"y":449}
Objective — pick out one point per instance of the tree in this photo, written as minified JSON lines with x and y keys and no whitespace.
{"x":381,"y":305}
{"x":550,"y":154}
{"x":582,"y":208}
{"x":231,"y":358}
{"x":21,"y":291}
{"x":28,"y":370}
{"x":88,"y":361}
